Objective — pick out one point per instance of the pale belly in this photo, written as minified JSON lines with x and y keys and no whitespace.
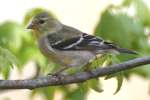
{"x":66,"y":58}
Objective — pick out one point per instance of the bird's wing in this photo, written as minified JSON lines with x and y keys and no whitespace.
{"x":83,"y":42}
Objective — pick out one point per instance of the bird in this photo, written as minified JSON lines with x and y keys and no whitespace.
{"x":68,"y":46}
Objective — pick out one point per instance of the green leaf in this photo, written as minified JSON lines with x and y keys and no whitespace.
{"x":47,"y":92}
{"x":127,"y":2}
{"x":7,"y":60}
{"x":97,"y":62}
{"x":143,"y":71}
{"x":11,"y":35}
{"x":95,"y":85}
{"x":142,"y":12}
{"x":77,"y":94}
{"x":123,"y":30}
{"x":8,"y":56}
{"x":119,"y":82}
{"x":118,"y":27}
{"x":17,"y":40}
{"x":119,"y":76}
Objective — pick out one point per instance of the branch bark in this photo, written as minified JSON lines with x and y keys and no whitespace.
{"x":76,"y":78}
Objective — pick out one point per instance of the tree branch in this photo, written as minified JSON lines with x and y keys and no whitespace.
{"x":76,"y":78}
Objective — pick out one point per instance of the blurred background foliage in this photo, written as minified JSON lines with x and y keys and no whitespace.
{"x":18,"y":47}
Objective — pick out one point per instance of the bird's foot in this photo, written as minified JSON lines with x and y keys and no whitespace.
{"x":58,"y":73}
{"x":54,"y":74}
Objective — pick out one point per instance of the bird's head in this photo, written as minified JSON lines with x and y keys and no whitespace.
{"x":44,"y":23}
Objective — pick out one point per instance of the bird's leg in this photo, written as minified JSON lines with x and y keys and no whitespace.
{"x":59,"y":71}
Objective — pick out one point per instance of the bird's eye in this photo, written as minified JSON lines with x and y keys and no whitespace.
{"x":41,"y":21}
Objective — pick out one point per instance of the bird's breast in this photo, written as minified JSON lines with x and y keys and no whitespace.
{"x":44,"y":47}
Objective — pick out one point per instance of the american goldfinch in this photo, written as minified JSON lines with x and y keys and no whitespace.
{"x":66,"y":45}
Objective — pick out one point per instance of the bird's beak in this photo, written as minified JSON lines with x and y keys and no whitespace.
{"x":30,"y":26}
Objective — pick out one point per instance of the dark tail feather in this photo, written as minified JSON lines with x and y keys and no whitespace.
{"x":122,"y":50}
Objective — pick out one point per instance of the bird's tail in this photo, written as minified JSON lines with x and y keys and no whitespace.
{"x":122,"y":50}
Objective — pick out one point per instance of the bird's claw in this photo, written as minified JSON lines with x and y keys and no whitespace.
{"x":54,"y":74}
{"x":58,"y":76}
